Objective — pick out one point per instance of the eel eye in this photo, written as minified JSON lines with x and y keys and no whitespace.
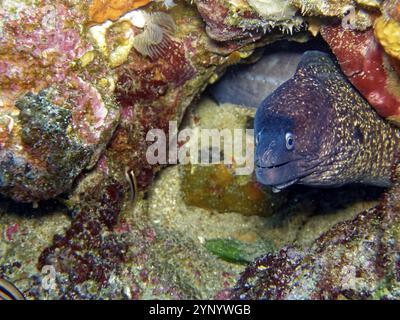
{"x":289,"y":141}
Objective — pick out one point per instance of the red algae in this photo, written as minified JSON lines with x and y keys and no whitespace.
{"x":367,"y":66}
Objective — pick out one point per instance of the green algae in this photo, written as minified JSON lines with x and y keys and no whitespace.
{"x":236,"y":251}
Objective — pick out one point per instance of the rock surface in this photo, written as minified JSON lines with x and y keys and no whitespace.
{"x":356,"y":259}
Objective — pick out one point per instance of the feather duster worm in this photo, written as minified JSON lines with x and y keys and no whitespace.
{"x":155,"y":38}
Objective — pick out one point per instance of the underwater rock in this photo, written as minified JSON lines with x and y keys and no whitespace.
{"x":239,"y":21}
{"x":356,"y":259}
{"x":41,"y":76}
{"x":148,"y":32}
{"x":158,"y":242}
{"x":279,"y":10}
{"x":88,"y":250}
{"x":356,"y":15}
{"x":370,"y":3}
{"x":141,"y":63}
{"x":152,"y":90}
{"x":328,"y":8}
{"x":79,"y":96}
{"x":100,"y":11}
{"x":102,"y":255}
{"x":368,"y":68}
{"x":157,"y":88}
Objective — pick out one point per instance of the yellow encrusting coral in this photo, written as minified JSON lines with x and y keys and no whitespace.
{"x":388,"y":34}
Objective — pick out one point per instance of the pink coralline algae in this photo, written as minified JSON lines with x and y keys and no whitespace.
{"x":55,"y":120}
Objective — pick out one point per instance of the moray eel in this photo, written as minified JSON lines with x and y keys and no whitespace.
{"x":248,"y":85}
{"x":317,"y":130}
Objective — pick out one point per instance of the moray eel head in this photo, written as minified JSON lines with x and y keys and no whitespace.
{"x":290,"y":127}
{"x":317,"y":130}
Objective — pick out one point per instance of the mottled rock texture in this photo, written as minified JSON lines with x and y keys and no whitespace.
{"x":356,"y":259}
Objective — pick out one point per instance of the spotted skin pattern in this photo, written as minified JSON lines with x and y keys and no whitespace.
{"x":337,"y":137}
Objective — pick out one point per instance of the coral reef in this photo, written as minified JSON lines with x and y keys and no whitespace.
{"x":81,"y":85}
{"x":154,"y":69}
{"x":160,"y":247}
{"x":151,"y":91}
{"x":87,"y":251}
{"x":64,"y":108}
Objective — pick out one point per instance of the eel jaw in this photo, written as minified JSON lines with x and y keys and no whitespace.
{"x":279,"y":188}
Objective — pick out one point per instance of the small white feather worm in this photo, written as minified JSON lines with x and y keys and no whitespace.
{"x":155,"y":38}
